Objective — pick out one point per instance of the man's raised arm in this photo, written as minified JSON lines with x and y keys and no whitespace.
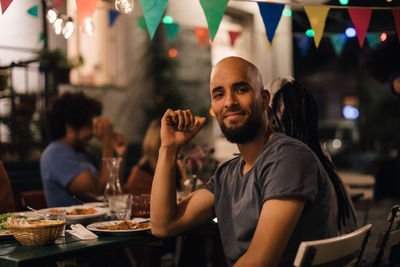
{"x":177,"y":128}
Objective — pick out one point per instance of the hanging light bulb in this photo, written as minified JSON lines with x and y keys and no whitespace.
{"x":68,"y":28}
{"x":58,"y":26}
{"x":89,"y":26}
{"x":51,"y":15}
{"x":124,"y":6}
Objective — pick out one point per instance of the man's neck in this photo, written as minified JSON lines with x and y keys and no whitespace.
{"x":67,"y":141}
{"x":251,"y":150}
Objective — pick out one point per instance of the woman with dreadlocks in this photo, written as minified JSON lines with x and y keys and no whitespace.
{"x":294,"y":111}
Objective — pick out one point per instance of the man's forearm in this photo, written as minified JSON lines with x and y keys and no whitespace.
{"x":163,"y":193}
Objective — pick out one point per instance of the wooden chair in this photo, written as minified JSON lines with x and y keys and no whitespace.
{"x":34,"y":199}
{"x":390,"y":238}
{"x":328,"y":250}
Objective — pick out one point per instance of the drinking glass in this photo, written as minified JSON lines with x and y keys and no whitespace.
{"x":141,"y":206}
{"x":60,"y":215}
{"x":120,"y":206}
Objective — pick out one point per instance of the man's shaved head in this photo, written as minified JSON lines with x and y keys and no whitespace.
{"x":230,"y":64}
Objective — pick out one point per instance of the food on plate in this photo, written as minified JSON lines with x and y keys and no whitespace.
{"x":124,"y":225}
{"x":76,"y":211}
{"x":82,"y":211}
{"x":56,"y":211}
{"x":3,"y":219}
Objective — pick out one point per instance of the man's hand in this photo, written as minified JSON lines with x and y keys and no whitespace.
{"x":103,"y":130}
{"x":120,"y":144}
{"x":178,"y":127}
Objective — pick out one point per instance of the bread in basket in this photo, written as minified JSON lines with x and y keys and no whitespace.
{"x":35,"y":233}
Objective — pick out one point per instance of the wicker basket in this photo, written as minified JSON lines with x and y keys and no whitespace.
{"x":36,"y":233}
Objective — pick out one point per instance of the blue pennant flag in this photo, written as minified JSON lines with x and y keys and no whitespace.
{"x":112,"y":15}
{"x":304,"y":43}
{"x":271,"y":15}
{"x":338,"y":41}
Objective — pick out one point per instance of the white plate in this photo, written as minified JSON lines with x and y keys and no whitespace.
{"x":74,"y":218}
{"x":93,"y":227}
{"x":96,"y":204}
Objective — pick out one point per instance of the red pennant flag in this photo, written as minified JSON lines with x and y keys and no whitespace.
{"x":396,"y":15}
{"x":234,"y":36}
{"x":58,"y":3}
{"x":361,"y":18}
{"x":202,"y":35}
{"x":5,"y":4}
{"x":85,"y":9}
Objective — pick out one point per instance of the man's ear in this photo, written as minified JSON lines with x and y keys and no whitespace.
{"x":266,"y":96}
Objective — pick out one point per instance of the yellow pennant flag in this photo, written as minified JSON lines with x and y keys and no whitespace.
{"x":317,"y":17}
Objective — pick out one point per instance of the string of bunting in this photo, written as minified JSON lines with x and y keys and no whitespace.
{"x":214,"y":10}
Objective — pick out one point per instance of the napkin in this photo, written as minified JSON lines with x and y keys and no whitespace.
{"x":81,"y":232}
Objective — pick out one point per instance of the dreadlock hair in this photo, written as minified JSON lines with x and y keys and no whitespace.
{"x":294,"y":111}
{"x":74,"y":109}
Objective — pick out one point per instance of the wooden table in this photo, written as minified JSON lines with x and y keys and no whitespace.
{"x":12,"y":253}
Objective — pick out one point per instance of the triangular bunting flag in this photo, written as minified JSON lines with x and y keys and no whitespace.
{"x":317,"y":17}
{"x":141,"y":23}
{"x":271,"y":15}
{"x":172,"y":31}
{"x":396,"y":15}
{"x":373,"y":39}
{"x":5,"y":4}
{"x":112,"y":16}
{"x":214,"y":11}
{"x":33,"y":11}
{"x":202,"y":35}
{"x":85,"y":9}
{"x":338,"y":41}
{"x":361,"y":18}
{"x":153,"y":11}
{"x":58,"y":3}
{"x":304,"y":43}
{"x":233,"y":36}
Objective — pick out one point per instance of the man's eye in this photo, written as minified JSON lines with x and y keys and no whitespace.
{"x":219,"y":95}
{"x":242,"y":90}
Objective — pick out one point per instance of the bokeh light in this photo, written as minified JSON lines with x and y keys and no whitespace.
{"x":287,"y":12}
{"x":343,"y":2}
{"x":350,"y":32}
{"x":383,"y":36}
{"x":167,"y":20}
{"x":310,"y":33}
{"x":172,"y":53}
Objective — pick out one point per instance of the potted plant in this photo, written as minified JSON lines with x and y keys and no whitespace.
{"x":57,"y":63}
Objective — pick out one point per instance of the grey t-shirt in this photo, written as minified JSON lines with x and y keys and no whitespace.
{"x":285,"y":168}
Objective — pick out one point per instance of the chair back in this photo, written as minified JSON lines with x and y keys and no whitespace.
{"x":390,"y":237}
{"x":327,"y":250}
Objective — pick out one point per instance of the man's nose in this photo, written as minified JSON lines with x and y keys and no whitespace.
{"x":230,"y":99}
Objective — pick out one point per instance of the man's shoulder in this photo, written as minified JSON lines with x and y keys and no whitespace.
{"x":281,"y":141}
{"x":55,"y":150}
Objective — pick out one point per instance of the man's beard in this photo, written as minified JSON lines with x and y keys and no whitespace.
{"x":244,"y":133}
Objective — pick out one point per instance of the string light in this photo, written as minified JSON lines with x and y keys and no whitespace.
{"x":89,"y":26}
{"x":58,"y":26}
{"x":124,"y":6}
{"x":68,"y":29}
{"x":51,"y":15}
{"x":343,"y":2}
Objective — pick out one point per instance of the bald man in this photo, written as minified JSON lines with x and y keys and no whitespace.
{"x":267,"y":200}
